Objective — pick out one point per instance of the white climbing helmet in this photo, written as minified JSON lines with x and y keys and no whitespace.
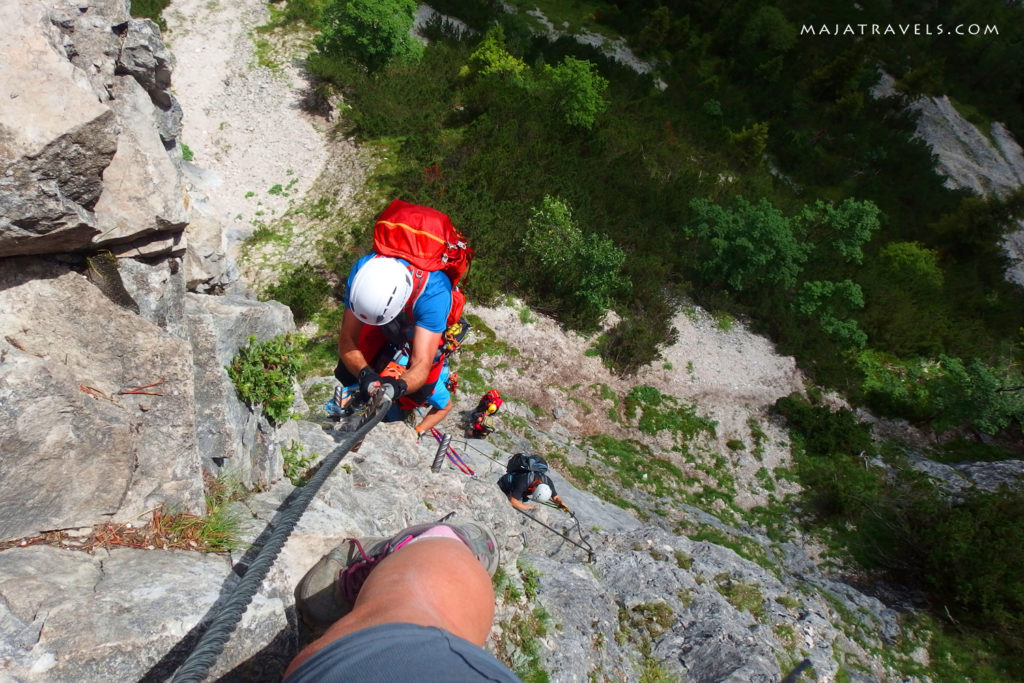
{"x":541,"y":494}
{"x":379,"y":291}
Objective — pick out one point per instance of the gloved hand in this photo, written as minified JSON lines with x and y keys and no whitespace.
{"x":399,"y":385}
{"x":367,"y":376}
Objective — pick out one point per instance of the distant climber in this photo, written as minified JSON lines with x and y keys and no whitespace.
{"x":526,"y":479}
{"x":480,"y":426}
{"x":415,"y":607}
{"x":480,"y":423}
{"x":401,"y":298}
{"x":489,"y":402}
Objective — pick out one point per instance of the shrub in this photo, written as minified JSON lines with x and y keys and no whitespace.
{"x":151,"y":9}
{"x":263,"y":374}
{"x":578,"y":90}
{"x":975,"y":550}
{"x":373,"y":32}
{"x":828,"y":446}
{"x":585,"y":268}
{"x":302,"y":291}
{"x":296,"y":463}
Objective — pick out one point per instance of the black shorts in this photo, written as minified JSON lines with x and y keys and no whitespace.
{"x":399,"y":653}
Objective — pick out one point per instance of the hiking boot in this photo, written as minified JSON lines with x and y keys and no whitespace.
{"x":328,"y":591}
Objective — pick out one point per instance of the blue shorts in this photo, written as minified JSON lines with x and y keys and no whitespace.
{"x":399,"y":653}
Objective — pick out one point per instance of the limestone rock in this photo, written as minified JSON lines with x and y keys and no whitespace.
{"x":965,"y":155}
{"x":142,"y":191}
{"x":63,"y":418}
{"x":56,"y":139}
{"x":987,"y":165}
{"x":158,"y":288}
{"x":962,"y":478}
{"x":226,"y":429}
{"x":115,"y":615}
{"x":144,"y":56}
{"x":87,"y":38}
{"x":207,"y":265}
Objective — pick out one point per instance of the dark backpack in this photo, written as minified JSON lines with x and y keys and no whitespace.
{"x":526,"y":463}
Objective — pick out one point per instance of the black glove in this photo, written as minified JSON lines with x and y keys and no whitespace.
{"x":367,"y":376}
{"x":399,"y":386}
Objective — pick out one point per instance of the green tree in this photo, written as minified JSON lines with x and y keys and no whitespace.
{"x":829,"y":304}
{"x":967,"y":393}
{"x":844,"y":227}
{"x":946,"y":392}
{"x":767,"y":33}
{"x":578,"y":90}
{"x":372,"y":32}
{"x":906,"y":311}
{"x":751,"y":141}
{"x":492,"y":58}
{"x":746,"y":246}
{"x":585,"y":268}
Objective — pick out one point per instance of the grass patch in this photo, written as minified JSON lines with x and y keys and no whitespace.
{"x":636,"y":466}
{"x":658,"y":412}
{"x":216,"y":531}
{"x":297,"y":466}
{"x":151,"y":9}
{"x":589,"y":479}
{"x":742,"y":546}
{"x":488,"y":344}
{"x":531,"y":579}
{"x":741,"y":595}
{"x":302,"y":290}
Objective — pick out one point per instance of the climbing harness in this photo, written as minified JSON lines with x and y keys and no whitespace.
{"x":582,"y":544}
{"x":211,"y":644}
{"x":452,"y":454}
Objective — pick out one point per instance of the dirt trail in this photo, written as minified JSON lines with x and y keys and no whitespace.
{"x":242,"y":120}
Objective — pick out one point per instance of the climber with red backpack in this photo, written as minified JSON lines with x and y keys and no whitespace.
{"x":489,"y":402}
{"x":480,"y":423}
{"x":402,"y":297}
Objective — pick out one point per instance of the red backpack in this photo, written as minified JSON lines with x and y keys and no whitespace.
{"x":425,"y":238}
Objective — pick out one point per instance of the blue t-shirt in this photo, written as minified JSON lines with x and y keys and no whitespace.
{"x":431,"y":310}
{"x":441,"y":396}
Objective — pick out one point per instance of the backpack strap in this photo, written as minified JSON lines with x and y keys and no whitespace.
{"x":419,"y":283}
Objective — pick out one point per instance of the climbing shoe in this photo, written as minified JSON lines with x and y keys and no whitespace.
{"x":328,"y":591}
{"x":340,"y":404}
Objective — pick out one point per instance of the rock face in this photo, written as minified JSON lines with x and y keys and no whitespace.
{"x":986,"y":164}
{"x":84,"y":132}
{"x":230,"y":434}
{"x":66,"y":418}
{"x":56,"y":139}
{"x":647,"y":591}
{"x":90,"y":182}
